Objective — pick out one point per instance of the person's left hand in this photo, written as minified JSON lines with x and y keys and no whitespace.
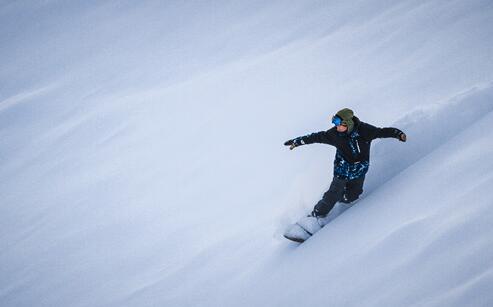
{"x":402,"y":137}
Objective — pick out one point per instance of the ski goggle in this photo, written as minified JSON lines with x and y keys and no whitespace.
{"x":336,"y":120}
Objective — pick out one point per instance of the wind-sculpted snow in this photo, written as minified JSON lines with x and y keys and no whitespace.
{"x":421,"y":239}
{"x":428,"y":129}
{"x":141,"y":156}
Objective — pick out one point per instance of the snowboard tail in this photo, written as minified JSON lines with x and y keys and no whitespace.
{"x":303,"y":229}
{"x":297,"y":234}
{"x":309,"y":225}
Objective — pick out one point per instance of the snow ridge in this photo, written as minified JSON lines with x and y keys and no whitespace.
{"x":428,"y":128}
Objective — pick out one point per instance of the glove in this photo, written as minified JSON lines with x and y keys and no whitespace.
{"x":401,"y":136}
{"x":294,"y":143}
{"x":398,"y":134}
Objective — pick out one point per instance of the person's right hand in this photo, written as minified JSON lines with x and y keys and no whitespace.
{"x":293,"y":143}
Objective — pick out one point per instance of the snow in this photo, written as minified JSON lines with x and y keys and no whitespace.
{"x":142,"y":160}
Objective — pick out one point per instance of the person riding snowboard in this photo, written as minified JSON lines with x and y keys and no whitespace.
{"x":352,"y":139}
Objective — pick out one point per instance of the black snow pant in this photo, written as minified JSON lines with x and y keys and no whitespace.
{"x":340,"y":189}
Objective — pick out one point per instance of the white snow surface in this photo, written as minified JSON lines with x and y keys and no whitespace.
{"x":141,"y":156}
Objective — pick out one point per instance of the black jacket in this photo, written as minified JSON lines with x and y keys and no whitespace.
{"x":361,"y":136}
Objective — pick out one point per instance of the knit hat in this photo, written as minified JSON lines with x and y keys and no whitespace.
{"x":347,"y":118}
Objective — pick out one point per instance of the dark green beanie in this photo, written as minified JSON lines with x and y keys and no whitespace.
{"x":347,"y":118}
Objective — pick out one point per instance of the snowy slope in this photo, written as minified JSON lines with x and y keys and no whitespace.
{"x":141,"y":157}
{"x":421,"y":239}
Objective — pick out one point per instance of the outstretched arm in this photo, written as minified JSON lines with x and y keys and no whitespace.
{"x":324,"y":137}
{"x":388,"y":133}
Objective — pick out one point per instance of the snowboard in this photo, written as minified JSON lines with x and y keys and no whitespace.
{"x":309,"y":225}
{"x":304,"y":229}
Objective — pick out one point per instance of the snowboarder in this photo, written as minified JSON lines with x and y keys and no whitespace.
{"x":352,"y":139}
